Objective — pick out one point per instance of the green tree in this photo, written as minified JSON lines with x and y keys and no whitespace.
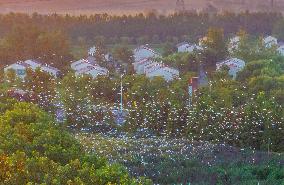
{"x":42,"y":85}
{"x":123,"y":54}
{"x":215,"y":48}
{"x":34,"y":150}
{"x":11,"y":76}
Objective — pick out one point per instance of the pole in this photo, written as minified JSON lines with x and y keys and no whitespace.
{"x":268,"y":142}
{"x":121,"y":94}
{"x":190,"y":91}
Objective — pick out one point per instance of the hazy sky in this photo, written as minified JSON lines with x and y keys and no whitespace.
{"x":124,"y":6}
{"x":74,"y":6}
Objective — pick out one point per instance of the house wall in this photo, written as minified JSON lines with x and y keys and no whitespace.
{"x":141,"y":54}
{"x":19,"y":69}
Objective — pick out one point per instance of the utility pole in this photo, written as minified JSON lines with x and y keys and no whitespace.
{"x":121,"y":95}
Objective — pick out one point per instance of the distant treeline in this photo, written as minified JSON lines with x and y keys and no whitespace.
{"x":149,"y":28}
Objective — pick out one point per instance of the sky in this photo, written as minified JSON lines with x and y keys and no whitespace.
{"x":89,"y":6}
{"x":120,"y":6}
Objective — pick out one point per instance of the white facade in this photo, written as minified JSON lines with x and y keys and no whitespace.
{"x":270,"y":41}
{"x":50,"y":70}
{"x":153,"y":69}
{"x":21,"y":67}
{"x":167,"y":73}
{"x":80,"y":64}
{"x":235,"y":65}
{"x":143,"y":52}
{"x":92,"y":52}
{"x":32,"y":64}
{"x":187,"y":47}
{"x":280,"y":50}
{"x":140,"y":66}
{"x":234,"y":43}
{"x":18,"y":68}
{"x":82,"y":67}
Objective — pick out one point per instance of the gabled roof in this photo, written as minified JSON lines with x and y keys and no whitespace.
{"x":232,"y":62}
{"x":182,"y":43}
{"x":33,"y":63}
{"x":269,"y":38}
{"x":145,"y":47}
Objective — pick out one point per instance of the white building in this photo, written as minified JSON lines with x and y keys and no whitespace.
{"x":18,"y":68}
{"x":235,"y":65}
{"x":80,"y":64}
{"x":141,"y":65}
{"x":21,"y":67}
{"x":33,"y":64}
{"x":167,"y":73}
{"x":83,"y":67}
{"x":50,"y":70}
{"x":281,"y":50}
{"x":92,"y":53}
{"x":144,"y":52}
{"x":270,"y":41}
{"x":152,"y":69}
{"x":187,"y":47}
{"x":234,"y":43}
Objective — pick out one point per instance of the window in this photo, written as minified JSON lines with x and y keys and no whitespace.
{"x":21,"y":72}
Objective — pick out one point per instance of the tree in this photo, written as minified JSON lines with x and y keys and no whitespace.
{"x":168,"y":49}
{"x":100,"y":51}
{"x":123,"y":54}
{"x":34,"y":150}
{"x":184,"y":62}
{"x":53,"y":48}
{"x":76,"y":97}
{"x":42,"y":86}
{"x":215,"y":48}
{"x":30,"y":42}
{"x":11,"y":76}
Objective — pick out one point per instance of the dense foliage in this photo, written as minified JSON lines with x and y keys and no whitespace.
{"x":169,"y":160}
{"x":246,"y":112}
{"x":34,"y":150}
{"x":50,"y":43}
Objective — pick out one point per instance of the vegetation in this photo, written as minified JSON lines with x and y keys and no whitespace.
{"x":35,"y":150}
{"x":169,"y":160}
{"x":246,"y":112}
{"x":85,"y":30}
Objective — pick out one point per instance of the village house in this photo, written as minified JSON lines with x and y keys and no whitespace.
{"x":92,"y":53}
{"x":234,"y":43}
{"x":140,"y":65}
{"x":165,"y":72}
{"x":83,"y":67}
{"x":235,"y":65}
{"x":153,"y":69}
{"x":280,"y":48}
{"x":144,"y":52}
{"x":187,"y":47}
{"x":21,"y":67}
{"x":270,"y":41}
{"x":80,"y":64}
